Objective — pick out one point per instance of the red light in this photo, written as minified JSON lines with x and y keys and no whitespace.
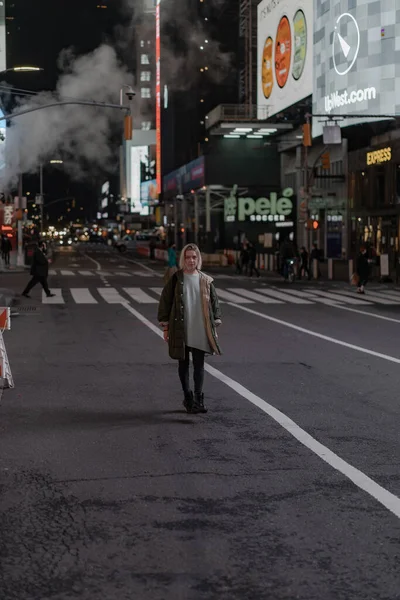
{"x":315,"y":224}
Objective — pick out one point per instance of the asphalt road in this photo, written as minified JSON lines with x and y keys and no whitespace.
{"x":289,"y":488}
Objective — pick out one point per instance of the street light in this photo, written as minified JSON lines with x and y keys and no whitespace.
{"x":24,"y":69}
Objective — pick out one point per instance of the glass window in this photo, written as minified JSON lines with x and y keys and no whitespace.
{"x":145,"y":92}
{"x":145,"y":76}
{"x":144,"y":59}
{"x":142,"y":44}
{"x":146,"y":125}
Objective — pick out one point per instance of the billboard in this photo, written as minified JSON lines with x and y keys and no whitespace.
{"x":3,"y":58}
{"x":285,"y":54}
{"x":356,"y":60}
{"x":158,"y":98}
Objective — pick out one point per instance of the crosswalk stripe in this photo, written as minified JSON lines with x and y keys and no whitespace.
{"x":103,"y":273}
{"x":283,"y":296}
{"x":122,"y":274}
{"x":390,"y":294}
{"x":233,"y":297}
{"x":67,"y":273}
{"x":52,"y":272}
{"x":82,"y":296}
{"x":375,"y":298}
{"x":140,"y":296}
{"x":157,"y":290}
{"x":254,"y":296}
{"x":143,"y":274}
{"x":111,"y":295}
{"x":340,"y":297}
{"x":312,"y":297}
{"x":58,"y":298}
{"x":86,"y":273}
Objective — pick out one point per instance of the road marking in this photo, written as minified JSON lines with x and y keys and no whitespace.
{"x":52,"y":272}
{"x":111,"y":295}
{"x":86,"y":273}
{"x":103,"y":273}
{"x":122,"y":274}
{"x":312,"y":297}
{"x":233,"y":297}
{"x":376,"y":298}
{"x":140,"y":296}
{"x":58,"y":299}
{"x":391,"y":295}
{"x":98,"y":265}
{"x":121,"y":266}
{"x":340,"y":298}
{"x":254,"y":296}
{"x":369,"y":314}
{"x":321,"y":336}
{"x":357,"y":477}
{"x":67,"y":273}
{"x":282,"y":296}
{"x":145,"y":267}
{"x":82,"y":296}
{"x":157,"y":290}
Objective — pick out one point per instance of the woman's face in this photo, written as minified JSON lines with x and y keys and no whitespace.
{"x":191,"y":260}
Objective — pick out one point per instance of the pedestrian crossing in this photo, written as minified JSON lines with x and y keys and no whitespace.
{"x":93,"y":273}
{"x":269,"y":296}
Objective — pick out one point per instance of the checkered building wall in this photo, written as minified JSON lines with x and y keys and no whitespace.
{"x":377,"y":64}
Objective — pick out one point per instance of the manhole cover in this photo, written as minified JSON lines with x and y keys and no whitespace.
{"x":25,"y":309}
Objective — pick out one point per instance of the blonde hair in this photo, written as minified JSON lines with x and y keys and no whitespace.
{"x":194,"y":248}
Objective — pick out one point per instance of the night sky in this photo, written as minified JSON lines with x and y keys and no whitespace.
{"x":37,"y":31}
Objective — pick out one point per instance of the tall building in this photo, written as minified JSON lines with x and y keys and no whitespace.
{"x":198,"y":71}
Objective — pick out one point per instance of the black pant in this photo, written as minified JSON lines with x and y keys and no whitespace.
{"x":253,"y":268}
{"x":35,"y":280}
{"x":198,"y":365}
{"x":6,"y":257}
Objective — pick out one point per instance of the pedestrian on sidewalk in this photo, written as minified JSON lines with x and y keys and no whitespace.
{"x":189,"y":314}
{"x":172,"y":266}
{"x":304,"y":268}
{"x":252,"y":260}
{"x":39,"y":271}
{"x":362,"y":270}
{"x":6,"y":248}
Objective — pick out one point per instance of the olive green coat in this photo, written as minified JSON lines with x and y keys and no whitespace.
{"x":171,"y":313}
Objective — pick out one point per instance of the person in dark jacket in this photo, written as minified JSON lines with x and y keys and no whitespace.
{"x":362,"y":270}
{"x":253,"y":260}
{"x":189,"y":314}
{"x":304,"y":262}
{"x":39,"y":271}
{"x":6,"y":248}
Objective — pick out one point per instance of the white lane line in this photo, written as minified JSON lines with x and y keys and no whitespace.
{"x":368,"y":314}
{"x":141,"y":274}
{"x":157,"y":290}
{"x":98,"y":265}
{"x":145,"y":267}
{"x":282,"y":296}
{"x":140,"y":296}
{"x":58,"y":299}
{"x":391,"y":295}
{"x":341,"y":298}
{"x":122,"y":274}
{"x":82,"y":296}
{"x":373,"y":297}
{"x":360,"y":480}
{"x":86,"y":273}
{"x":103,"y":273}
{"x":52,"y":272}
{"x":120,"y":266}
{"x":111,"y":295}
{"x":67,"y":273}
{"x":233,"y":297}
{"x":253,"y":296}
{"x":321,"y":336}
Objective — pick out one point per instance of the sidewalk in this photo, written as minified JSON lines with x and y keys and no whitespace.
{"x":13,"y":265}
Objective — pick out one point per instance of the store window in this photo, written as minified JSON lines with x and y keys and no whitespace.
{"x":146,"y":125}
{"x":145,"y":76}
{"x":144,"y":59}
{"x":145,"y":92}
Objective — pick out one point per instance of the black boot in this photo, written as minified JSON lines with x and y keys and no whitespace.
{"x":198,"y":404}
{"x":188,"y":401}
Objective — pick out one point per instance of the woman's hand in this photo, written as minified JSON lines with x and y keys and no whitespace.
{"x":166,"y":335}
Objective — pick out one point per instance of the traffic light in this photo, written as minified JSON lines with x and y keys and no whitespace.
{"x":307,"y":135}
{"x":326,"y":161}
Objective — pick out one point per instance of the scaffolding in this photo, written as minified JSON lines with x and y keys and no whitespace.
{"x":248,"y":37}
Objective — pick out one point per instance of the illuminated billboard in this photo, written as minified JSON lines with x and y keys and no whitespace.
{"x":3,"y":58}
{"x":158,"y":97}
{"x":356,"y":60}
{"x":285,"y":54}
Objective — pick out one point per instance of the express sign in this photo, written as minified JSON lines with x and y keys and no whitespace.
{"x":269,"y":209}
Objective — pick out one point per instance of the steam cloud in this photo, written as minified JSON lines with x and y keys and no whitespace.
{"x":80,"y":134}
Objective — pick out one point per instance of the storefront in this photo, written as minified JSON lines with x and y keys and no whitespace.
{"x":374,"y":201}
{"x":263,"y":219}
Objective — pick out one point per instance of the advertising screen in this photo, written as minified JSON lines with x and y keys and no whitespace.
{"x":3,"y":61}
{"x":285,"y":54}
{"x":356,"y":60}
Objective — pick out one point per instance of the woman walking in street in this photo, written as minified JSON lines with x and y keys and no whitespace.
{"x":189,"y":314}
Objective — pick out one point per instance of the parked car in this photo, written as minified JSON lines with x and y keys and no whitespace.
{"x":128,"y":242}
